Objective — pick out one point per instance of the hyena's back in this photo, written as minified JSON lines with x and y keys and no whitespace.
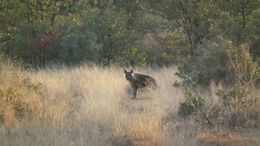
{"x":142,"y":81}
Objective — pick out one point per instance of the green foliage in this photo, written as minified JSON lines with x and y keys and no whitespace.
{"x":219,"y":61}
{"x":254,"y":34}
{"x":196,"y":19}
{"x":185,"y":73}
{"x":78,"y":44}
{"x":233,"y":98}
{"x":134,"y":57}
{"x":236,"y":107}
{"x":239,"y":9}
{"x":241,"y":64}
{"x":192,"y":104}
{"x":210,"y":62}
{"x":111,"y":36}
{"x":180,"y":32}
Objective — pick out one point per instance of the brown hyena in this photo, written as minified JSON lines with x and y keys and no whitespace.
{"x":139,"y":81}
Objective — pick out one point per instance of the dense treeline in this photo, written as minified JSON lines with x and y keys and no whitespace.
{"x":205,"y":38}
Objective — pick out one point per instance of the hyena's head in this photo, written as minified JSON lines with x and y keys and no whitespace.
{"x":129,"y":74}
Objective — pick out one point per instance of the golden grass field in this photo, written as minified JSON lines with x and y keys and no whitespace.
{"x":92,"y":106}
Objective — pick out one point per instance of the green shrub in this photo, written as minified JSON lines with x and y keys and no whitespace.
{"x":191,"y":105}
{"x":220,"y":61}
{"x":209,"y":62}
{"x":236,"y":108}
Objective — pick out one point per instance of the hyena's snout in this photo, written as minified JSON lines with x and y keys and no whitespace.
{"x":153,"y":84}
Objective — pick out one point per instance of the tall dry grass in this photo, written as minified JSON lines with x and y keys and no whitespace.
{"x":92,"y":106}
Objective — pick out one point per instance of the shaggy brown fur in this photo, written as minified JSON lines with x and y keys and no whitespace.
{"x":139,"y":81}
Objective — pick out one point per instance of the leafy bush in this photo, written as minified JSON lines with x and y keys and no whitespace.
{"x":209,"y":62}
{"x":220,"y":61}
{"x":191,"y":105}
{"x":236,"y":108}
{"x":133,"y":57}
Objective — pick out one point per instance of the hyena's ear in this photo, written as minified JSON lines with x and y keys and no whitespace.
{"x":125,"y":71}
{"x":132,"y":71}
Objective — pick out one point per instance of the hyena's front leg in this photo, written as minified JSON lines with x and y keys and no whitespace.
{"x":135,"y":93}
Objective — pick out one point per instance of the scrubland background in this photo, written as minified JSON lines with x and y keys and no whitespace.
{"x":62,"y":79}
